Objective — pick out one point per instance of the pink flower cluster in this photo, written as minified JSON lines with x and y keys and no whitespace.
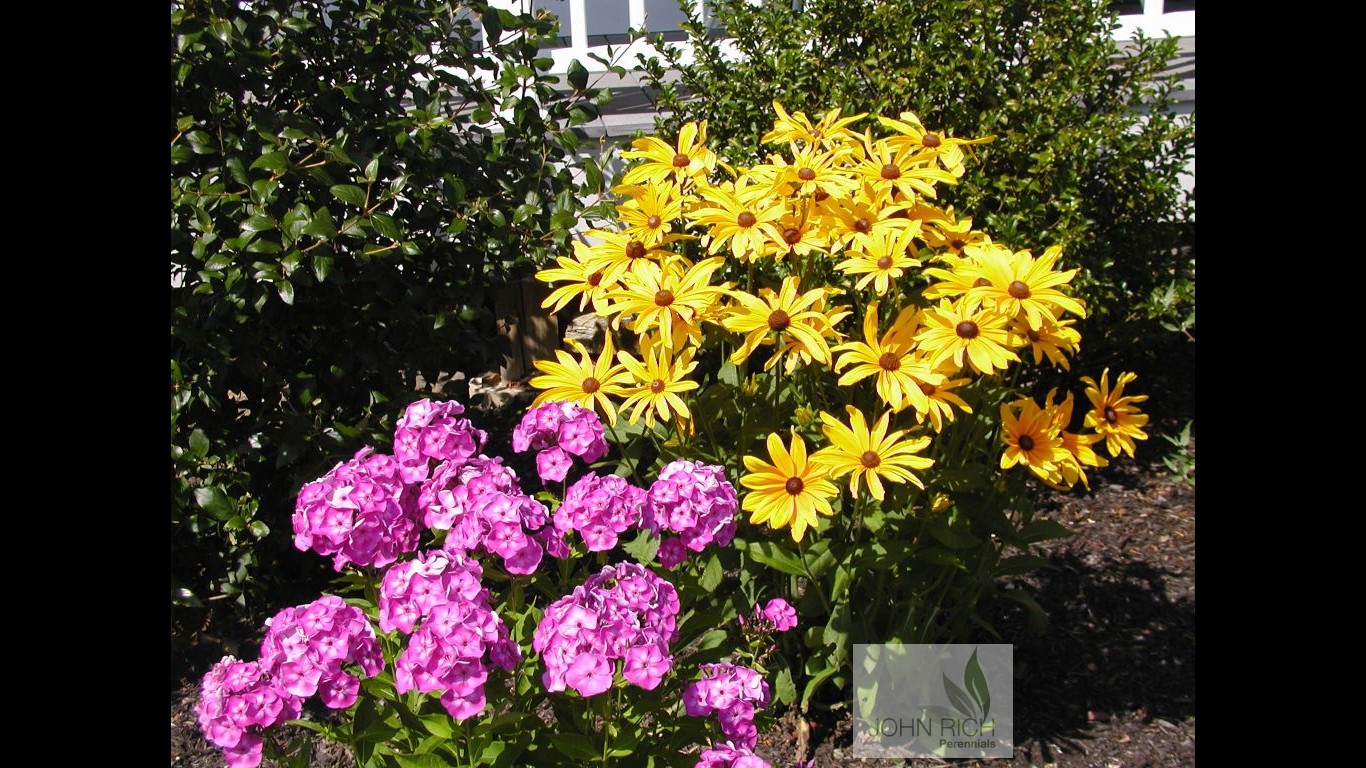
{"x":303,"y":653}
{"x":623,"y":612}
{"x":693,"y":500}
{"x":237,"y":700}
{"x":305,"y":647}
{"x":481,"y":507}
{"x":600,"y":508}
{"x":726,"y":755}
{"x":411,"y":590}
{"x":558,"y":430}
{"x":430,"y":432}
{"x":447,"y":651}
{"x":733,"y":692}
{"x":361,"y":512}
{"x":777,"y":616}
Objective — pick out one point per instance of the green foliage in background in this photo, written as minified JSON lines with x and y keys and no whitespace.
{"x":1087,"y":155}
{"x":350,"y":181}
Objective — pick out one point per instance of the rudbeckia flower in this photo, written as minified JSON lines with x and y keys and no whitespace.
{"x":1113,"y":414}
{"x":872,"y":455}
{"x":791,"y":491}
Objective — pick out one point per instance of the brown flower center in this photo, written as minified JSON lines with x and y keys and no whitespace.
{"x":967,"y":330}
{"x":1033,"y":335}
{"x":889,"y":362}
{"x":957,"y":244}
{"x":928,"y":389}
{"x":890,"y":172}
{"x":819,"y":195}
{"x":595,"y":278}
{"x":806,"y":174}
{"x":635,"y":249}
{"x":657,"y":386}
{"x":745,"y":219}
{"x":929,"y":140}
{"x":1111,"y":415}
{"x":870,"y":459}
{"x":1018,"y":290}
{"x":792,"y":236}
{"x":1026,"y":443}
{"x":664,"y":298}
{"x":653,"y":222}
{"x":778,"y":320}
{"x":862,"y":225}
{"x":980,"y":282}
{"x":794,"y":485}
{"x":681,"y":160}
{"x":591,"y":385}
{"x":884,"y":262}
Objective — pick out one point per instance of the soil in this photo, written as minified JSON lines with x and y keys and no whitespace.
{"x":1109,"y":682}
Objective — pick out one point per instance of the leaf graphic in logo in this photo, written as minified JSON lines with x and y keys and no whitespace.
{"x":957,"y":697}
{"x":976,"y":683}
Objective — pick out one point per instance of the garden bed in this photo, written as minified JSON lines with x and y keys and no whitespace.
{"x":1109,"y":683}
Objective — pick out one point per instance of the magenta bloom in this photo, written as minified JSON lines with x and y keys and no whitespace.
{"x":600,"y":508}
{"x":694,"y":501}
{"x":625,"y":613}
{"x":557,"y":431}
{"x":727,"y":755}
{"x":237,"y":700}
{"x":411,"y":590}
{"x":777,"y":616}
{"x":447,"y":654}
{"x":307,"y":647}
{"x":733,"y":693}
{"x":360,"y":512}
{"x":481,"y":507}
{"x":430,"y":432}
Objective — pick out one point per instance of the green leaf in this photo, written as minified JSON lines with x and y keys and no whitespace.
{"x":577,"y":746}
{"x":386,"y":226}
{"x":776,"y":555}
{"x":711,"y":577}
{"x":213,"y":501}
{"x":258,"y":223}
{"x":286,"y":290}
{"x":201,"y":143}
{"x":275,"y":162}
{"x":577,"y":75}
{"x":348,"y":193}
{"x":421,"y":761}
{"x":784,"y":690}
{"x":372,"y":169}
{"x":438,"y":725}
{"x":199,"y":443}
{"x":322,"y":267}
{"x":1043,"y":530}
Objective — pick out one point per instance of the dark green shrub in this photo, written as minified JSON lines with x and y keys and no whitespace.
{"x":350,"y":181}
{"x":1087,"y":153}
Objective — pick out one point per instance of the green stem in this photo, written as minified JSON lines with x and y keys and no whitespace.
{"x":612,"y":427}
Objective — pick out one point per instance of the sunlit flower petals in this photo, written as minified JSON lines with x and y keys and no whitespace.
{"x":791,"y":491}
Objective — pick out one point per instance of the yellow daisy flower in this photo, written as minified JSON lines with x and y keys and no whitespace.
{"x":672,"y":299}
{"x":892,"y":359}
{"x":966,"y":335}
{"x":791,"y":491}
{"x":1031,"y":438}
{"x":829,"y":132}
{"x":890,"y":168}
{"x":659,"y":378}
{"x":881,"y":257}
{"x":941,"y":401}
{"x":584,"y":274}
{"x":1113,"y":414}
{"x":585,"y":381}
{"x":945,"y":150}
{"x":738,"y":218}
{"x":1078,"y":446}
{"x":1055,"y":340}
{"x":649,"y":214}
{"x":1018,"y":283}
{"x":870,"y":454}
{"x":783,"y":312}
{"x":689,"y":161}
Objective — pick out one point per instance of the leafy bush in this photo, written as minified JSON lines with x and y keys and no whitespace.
{"x":349,"y":182}
{"x":1087,"y":154}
